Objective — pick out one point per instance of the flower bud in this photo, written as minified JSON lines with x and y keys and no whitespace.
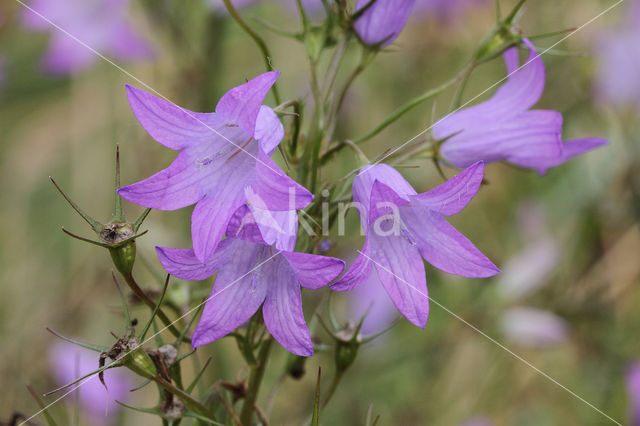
{"x":123,"y":255}
{"x":379,"y":22}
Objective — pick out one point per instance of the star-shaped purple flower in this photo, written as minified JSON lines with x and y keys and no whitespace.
{"x":402,"y":227}
{"x":254,"y":273}
{"x":504,"y":128}
{"x":101,"y":24}
{"x":223,"y":161}
{"x":383,"y":21}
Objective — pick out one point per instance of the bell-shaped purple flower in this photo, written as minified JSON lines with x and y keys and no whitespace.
{"x":402,"y":227}
{"x":504,"y":128}
{"x":382,"y":21}
{"x":223,"y":161}
{"x":254,"y":273}
{"x":101,"y":24}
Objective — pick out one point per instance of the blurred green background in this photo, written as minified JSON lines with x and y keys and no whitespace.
{"x":68,"y":127}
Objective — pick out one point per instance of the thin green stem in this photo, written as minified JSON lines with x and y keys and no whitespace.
{"x":133,"y":285}
{"x":412,"y":104}
{"x":255,"y":380}
{"x":333,"y":387}
{"x":257,"y":39}
{"x":457,"y":97}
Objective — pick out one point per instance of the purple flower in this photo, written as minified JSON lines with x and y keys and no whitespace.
{"x":69,"y":362}
{"x":633,"y":388}
{"x":504,"y":128}
{"x":618,"y":53}
{"x":533,"y":327}
{"x":383,"y":21}
{"x":253,"y":273}
{"x":101,"y":24}
{"x":223,"y":161}
{"x":394,"y":246}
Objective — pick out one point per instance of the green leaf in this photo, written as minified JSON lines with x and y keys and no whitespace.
{"x":156,"y":309}
{"x":90,"y":346}
{"x":44,"y":409}
{"x":193,"y":384}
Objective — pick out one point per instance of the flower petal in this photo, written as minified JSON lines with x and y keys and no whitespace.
{"x":521,"y":91}
{"x":452,"y":196}
{"x":282,"y":309}
{"x":444,"y":247}
{"x":176,"y":127}
{"x":570,"y":149}
{"x":384,"y":201}
{"x":363,"y":183}
{"x":173,"y":188}
{"x":313,"y":271}
{"x":357,"y":273}
{"x":401,"y":272}
{"x":241,"y":105}
{"x":125,"y":44}
{"x":277,"y":228}
{"x":210,"y":219}
{"x":527,"y":140}
{"x":269,"y":130}
{"x":383,"y":21}
{"x":237,"y":293}
{"x":185,"y":265}
{"x":65,"y":56}
{"x":272,"y":189}
{"x":243,"y":226}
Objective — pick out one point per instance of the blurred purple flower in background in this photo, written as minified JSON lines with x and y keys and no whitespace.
{"x":618,"y":53}
{"x":445,"y":9}
{"x":223,"y":161}
{"x":504,"y":128}
{"x":394,"y":247}
{"x":533,"y":327}
{"x":69,"y":362}
{"x":101,"y":24}
{"x":372,"y":297}
{"x":633,"y":389}
{"x":530,"y":268}
{"x":383,"y":21}
{"x":478,"y":421}
{"x":250,"y":272}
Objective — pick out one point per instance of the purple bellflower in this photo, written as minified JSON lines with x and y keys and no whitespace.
{"x":68,"y":362}
{"x":101,"y":24}
{"x":254,"y":273}
{"x":504,"y":128}
{"x":395,"y":246}
{"x":224,"y":161}
{"x":383,"y":21}
{"x":633,"y":389}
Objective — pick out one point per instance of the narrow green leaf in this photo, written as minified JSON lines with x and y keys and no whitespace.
{"x":157,"y":308}
{"x":193,"y":384}
{"x":153,"y":411}
{"x":138,"y":223}
{"x":43,"y":407}
{"x":316,"y":405}
{"x":95,"y":225}
{"x":90,"y":346}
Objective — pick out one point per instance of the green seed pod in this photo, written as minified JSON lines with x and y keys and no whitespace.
{"x":346,"y":353}
{"x":139,"y":361}
{"x":124,"y":255}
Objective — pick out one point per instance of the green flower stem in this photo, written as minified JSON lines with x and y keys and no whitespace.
{"x":457,"y":98}
{"x":256,"y":38}
{"x":133,"y":285}
{"x":333,"y":387}
{"x":255,"y":380}
{"x":414,"y":103}
{"x":188,"y":400}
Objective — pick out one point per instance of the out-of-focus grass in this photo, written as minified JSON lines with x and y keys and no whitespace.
{"x":443,"y":375}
